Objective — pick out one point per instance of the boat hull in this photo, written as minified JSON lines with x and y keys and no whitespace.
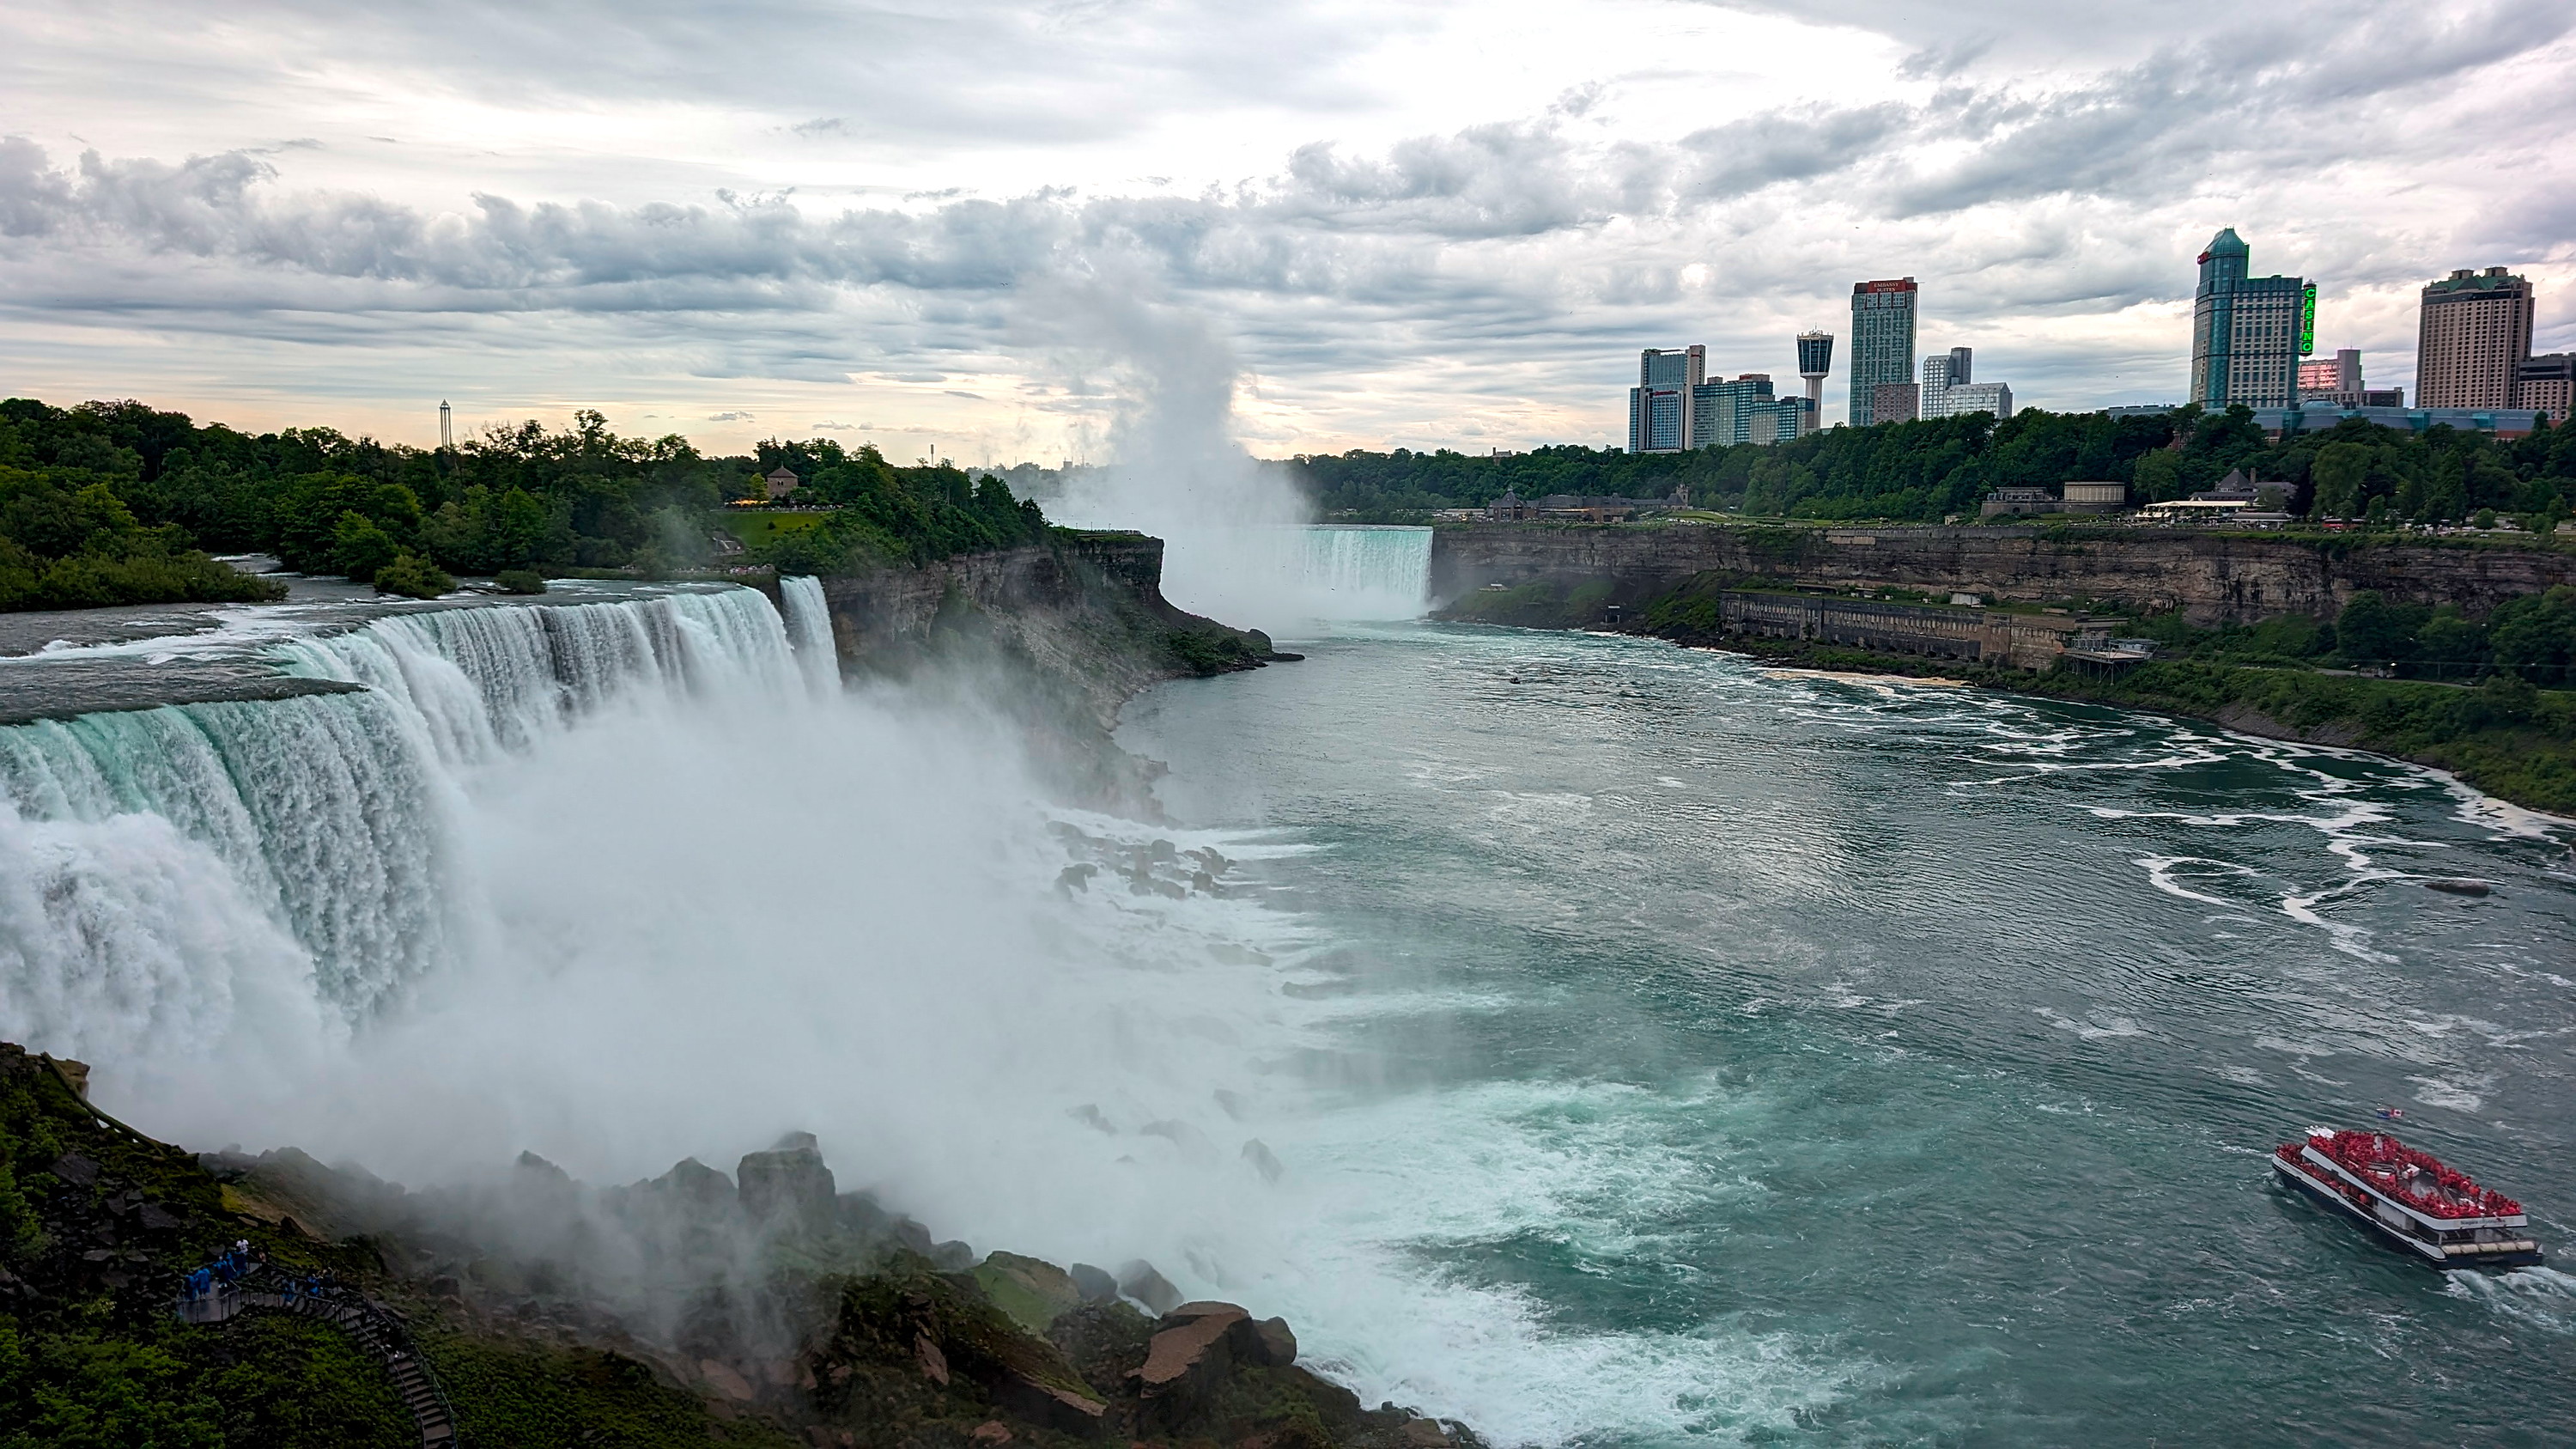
{"x":2415,"y":1249}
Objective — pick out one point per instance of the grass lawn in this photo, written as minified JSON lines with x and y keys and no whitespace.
{"x":758,"y":529}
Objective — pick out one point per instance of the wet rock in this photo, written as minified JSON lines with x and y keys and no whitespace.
{"x":912,"y":1235}
{"x":1076,"y":877}
{"x":1094,"y":1284}
{"x":153,"y":1218}
{"x":1090,"y":1115}
{"x":1033,"y":1292}
{"x":693,"y":1187}
{"x":951,"y":1256}
{"x":73,"y":1168}
{"x":1139,"y":1281}
{"x":724,"y":1380}
{"x":934,"y":1362}
{"x":1271,"y":1344}
{"x":1193,"y":1143}
{"x":788,"y":1188}
{"x":991,"y":1431}
{"x":1263,"y":1160}
{"x":1192,"y":1350}
{"x":2459,"y":887}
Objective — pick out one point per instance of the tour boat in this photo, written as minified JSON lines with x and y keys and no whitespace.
{"x":2409,"y":1198}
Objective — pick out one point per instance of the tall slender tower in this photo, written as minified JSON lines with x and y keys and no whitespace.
{"x":446,"y":425}
{"x":1815,"y":359}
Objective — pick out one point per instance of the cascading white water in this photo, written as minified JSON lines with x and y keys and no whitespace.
{"x":328,"y":819}
{"x":1366,"y":572}
{"x":809,"y":628}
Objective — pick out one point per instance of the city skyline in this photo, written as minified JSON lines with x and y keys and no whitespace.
{"x":801,"y":227}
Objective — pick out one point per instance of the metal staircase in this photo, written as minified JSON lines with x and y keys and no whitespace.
{"x":376,"y":1328}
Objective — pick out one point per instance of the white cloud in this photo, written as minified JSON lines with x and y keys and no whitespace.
{"x":1402,"y":220}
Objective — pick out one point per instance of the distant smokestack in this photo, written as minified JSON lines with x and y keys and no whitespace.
{"x":446,"y":426}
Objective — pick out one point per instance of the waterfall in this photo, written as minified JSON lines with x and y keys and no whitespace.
{"x":1366,"y":571}
{"x":809,"y":628}
{"x":156,"y":865}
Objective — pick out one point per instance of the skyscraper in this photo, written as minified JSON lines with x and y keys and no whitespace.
{"x":1940,"y":374}
{"x":2473,"y":340}
{"x":1745,"y":411}
{"x":1815,"y":359}
{"x":1659,"y":406}
{"x":2247,"y":333}
{"x":1882,"y":343}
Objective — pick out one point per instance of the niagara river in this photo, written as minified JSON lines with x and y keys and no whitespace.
{"x":1790,"y":1058}
{"x":1599,"y":1042}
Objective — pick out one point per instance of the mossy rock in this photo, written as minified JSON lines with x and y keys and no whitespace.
{"x":1032,"y":1291}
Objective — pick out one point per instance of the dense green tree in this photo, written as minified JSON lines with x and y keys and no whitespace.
{"x":1943,"y":467}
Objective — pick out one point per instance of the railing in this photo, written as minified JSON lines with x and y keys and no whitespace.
{"x":377,"y":1328}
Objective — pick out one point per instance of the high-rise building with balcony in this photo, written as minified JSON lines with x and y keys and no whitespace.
{"x":2247,"y":332}
{"x":1659,"y":406}
{"x":1882,"y":344}
{"x":2474,"y":337}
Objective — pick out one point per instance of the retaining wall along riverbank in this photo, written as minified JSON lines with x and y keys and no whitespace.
{"x":2211,"y":577}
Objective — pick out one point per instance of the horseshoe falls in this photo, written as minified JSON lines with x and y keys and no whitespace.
{"x":1657,"y":1048}
{"x":1360,"y":571}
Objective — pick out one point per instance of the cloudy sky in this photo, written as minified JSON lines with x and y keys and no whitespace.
{"x":981,"y":227}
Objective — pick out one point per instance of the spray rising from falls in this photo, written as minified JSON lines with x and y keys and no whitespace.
{"x":617,"y":884}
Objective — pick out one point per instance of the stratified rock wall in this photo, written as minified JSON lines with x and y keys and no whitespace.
{"x":2211,"y":577}
{"x":1059,"y":636}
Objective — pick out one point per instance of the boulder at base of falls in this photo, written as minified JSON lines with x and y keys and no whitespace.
{"x":1139,"y":1281}
{"x":1095,"y":1284}
{"x":1033,"y":1292}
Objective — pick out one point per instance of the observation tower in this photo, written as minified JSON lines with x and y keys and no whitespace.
{"x":1815,"y":359}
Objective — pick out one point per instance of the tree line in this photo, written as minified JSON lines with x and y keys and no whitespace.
{"x":119,"y":502}
{"x":1942,"y":468}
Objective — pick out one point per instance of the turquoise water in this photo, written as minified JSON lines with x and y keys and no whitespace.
{"x":1819,"y":1060}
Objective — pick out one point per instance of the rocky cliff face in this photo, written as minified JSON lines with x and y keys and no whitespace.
{"x":2211,"y":577}
{"x":1057,"y":636}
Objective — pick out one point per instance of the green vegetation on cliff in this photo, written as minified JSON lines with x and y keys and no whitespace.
{"x":107,"y":502}
{"x":1938,"y":468}
{"x":96,"y":1225}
